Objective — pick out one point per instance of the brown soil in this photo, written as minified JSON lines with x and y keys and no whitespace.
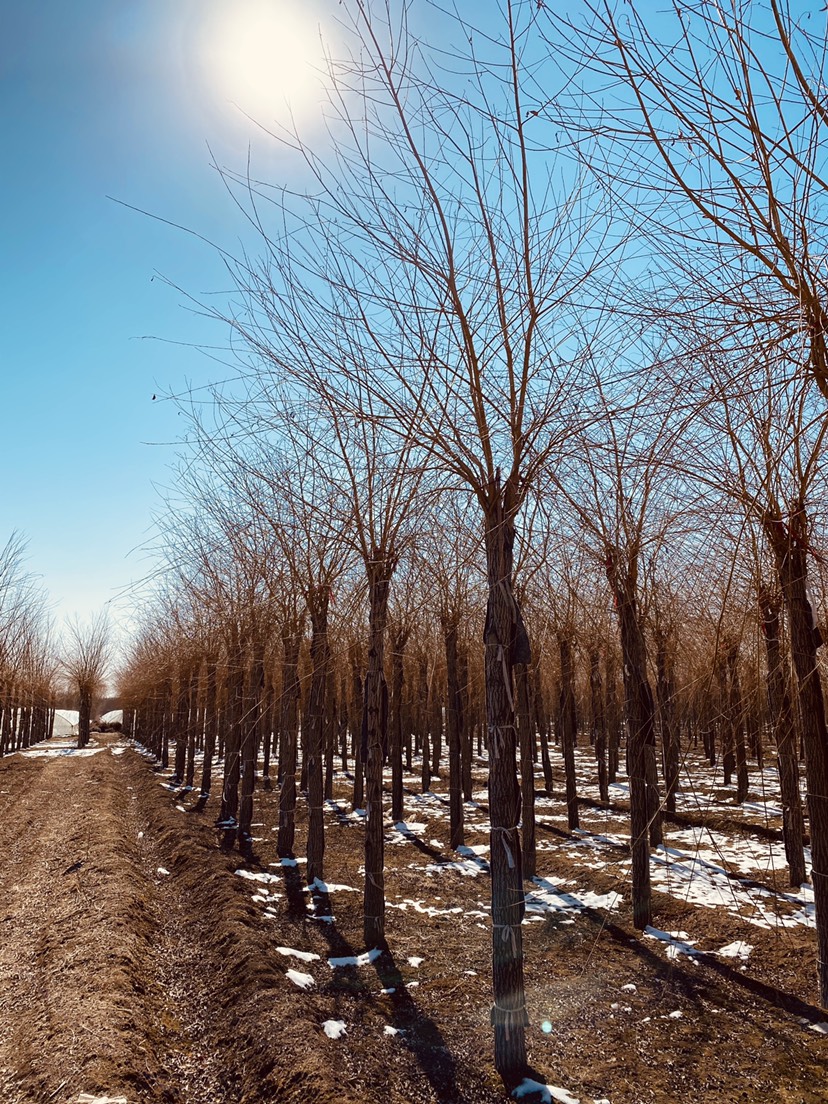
{"x":119,"y":980}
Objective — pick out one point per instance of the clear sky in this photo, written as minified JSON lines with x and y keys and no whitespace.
{"x":120,"y":98}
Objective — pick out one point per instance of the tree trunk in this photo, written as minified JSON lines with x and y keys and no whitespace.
{"x":192,"y":724}
{"x":599,"y":721}
{"x":250,"y":736}
{"x":784,"y":732}
{"x":292,"y":630}
{"x":210,"y":727}
{"x":569,"y":727}
{"x":84,"y":716}
{"x":464,"y":726}
{"x":527,"y":769}
{"x":425,"y":722}
{"x":623,"y":577}
{"x":398,"y":642}
{"x":790,"y":550}
{"x":318,"y":600}
{"x":736,"y":719}
{"x":375,"y":735}
{"x":357,"y":712}
{"x":234,"y":712}
{"x":505,"y":644}
{"x":613,"y":716}
{"x":666,"y":695}
{"x":453,"y":722}
{"x":542,"y":725}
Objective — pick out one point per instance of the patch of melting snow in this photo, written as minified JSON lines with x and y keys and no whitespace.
{"x":739,"y":949}
{"x":413,"y":960}
{"x":389,"y":1030}
{"x":819,"y":1028}
{"x":319,"y":886}
{"x":162,"y":870}
{"x":466,"y":867}
{"x":677,"y":942}
{"x":51,"y":753}
{"x":334,"y":1029}
{"x":356,"y":960}
{"x":288,"y":862}
{"x":545,"y":1093}
{"x":550,"y":898}
{"x":425,"y":910}
{"x":88,"y":1098}
{"x":305,"y":956}
{"x":304,"y":981}
{"x":257,"y":875}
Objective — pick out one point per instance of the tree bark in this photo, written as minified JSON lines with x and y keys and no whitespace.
{"x":784,"y":732}
{"x":622,"y":573}
{"x":569,"y":727}
{"x":318,"y":600}
{"x":790,"y":545}
{"x":736,"y":719}
{"x":542,"y":725}
{"x":292,"y":630}
{"x":599,"y":721}
{"x":527,"y":770}
{"x":375,"y":736}
{"x":399,"y":640}
{"x":453,"y":735}
{"x":210,"y":727}
{"x":505,"y":643}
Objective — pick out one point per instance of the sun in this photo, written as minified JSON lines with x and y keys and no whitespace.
{"x":261,"y":59}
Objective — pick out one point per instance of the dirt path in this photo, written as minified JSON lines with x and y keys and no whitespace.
{"x":97,"y":994}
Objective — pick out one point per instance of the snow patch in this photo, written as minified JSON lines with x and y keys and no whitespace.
{"x":547,"y":1093}
{"x":739,"y":949}
{"x":334,"y":1029}
{"x":305,"y":956}
{"x":304,"y":981}
{"x":355,"y":960}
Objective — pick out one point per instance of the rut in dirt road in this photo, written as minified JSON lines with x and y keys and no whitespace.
{"x":102,"y":988}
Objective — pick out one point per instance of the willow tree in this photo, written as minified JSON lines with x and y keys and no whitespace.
{"x":624,"y":495}
{"x":87,"y":657}
{"x":453,"y":251}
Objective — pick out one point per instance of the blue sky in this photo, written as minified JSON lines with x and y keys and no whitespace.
{"x":118,"y":98}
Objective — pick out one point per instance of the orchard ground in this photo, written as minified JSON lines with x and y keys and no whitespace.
{"x":140,"y":961}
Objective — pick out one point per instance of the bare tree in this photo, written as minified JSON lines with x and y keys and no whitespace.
{"x":88,"y":654}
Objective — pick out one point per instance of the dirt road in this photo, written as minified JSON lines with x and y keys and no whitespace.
{"x":127,"y":950}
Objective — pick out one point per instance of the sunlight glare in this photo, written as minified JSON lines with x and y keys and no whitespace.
{"x":262,"y":59}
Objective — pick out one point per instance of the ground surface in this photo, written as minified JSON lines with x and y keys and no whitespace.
{"x":137,"y":960}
